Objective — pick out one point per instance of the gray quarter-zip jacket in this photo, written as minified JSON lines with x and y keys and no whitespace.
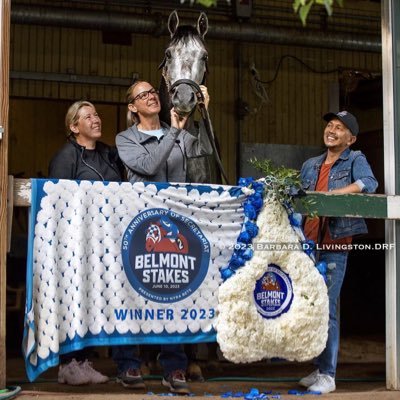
{"x":147,"y":158}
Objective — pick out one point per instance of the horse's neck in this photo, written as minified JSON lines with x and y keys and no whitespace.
{"x":190,"y":126}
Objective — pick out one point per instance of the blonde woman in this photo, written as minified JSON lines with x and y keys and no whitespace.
{"x":152,"y":150}
{"x":83,"y":157}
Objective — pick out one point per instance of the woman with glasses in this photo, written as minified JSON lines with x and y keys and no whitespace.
{"x":152,"y":150}
{"x":155,"y":152}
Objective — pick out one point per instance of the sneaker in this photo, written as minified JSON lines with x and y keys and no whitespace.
{"x":131,"y":379}
{"x":324,"y":384}
{"x":72,"y":374}
{"x":176,"y":382}
{"x":309,"y":379}
{"x":93,"y":375}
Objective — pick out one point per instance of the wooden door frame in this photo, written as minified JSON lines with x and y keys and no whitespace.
{"x":5,"y":9}
{"x":391,"y":151}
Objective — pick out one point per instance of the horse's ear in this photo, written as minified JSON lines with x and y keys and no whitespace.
{"x":202,"y":25}
{"x":173,"y":22}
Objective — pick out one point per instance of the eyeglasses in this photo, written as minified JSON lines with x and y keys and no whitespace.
{"x":145,"y":94}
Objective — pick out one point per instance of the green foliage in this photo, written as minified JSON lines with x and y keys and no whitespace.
{"x":207,"y":3}
{"x":282,"y":183}
{"x":303,"y":7}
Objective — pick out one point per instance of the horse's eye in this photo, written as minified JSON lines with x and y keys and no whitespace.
{"x":205,"y":57}
{"x":168,"y":54}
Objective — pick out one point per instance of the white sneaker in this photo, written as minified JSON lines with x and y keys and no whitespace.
{"x":324,"y":384}
{"x":309,"y":379}
{"x":92,"y":375}
{"x":72,"y":374}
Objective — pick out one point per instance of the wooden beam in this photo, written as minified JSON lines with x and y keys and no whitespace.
{"x":353,"y":205}
{"x":5,"y":9}
{"x":22,"y":192}
{"x":330,"y":205}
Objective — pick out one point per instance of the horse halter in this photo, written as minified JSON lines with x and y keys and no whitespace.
{"x":192,"y":84}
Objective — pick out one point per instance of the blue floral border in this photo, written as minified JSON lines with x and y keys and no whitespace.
{"x":243,"y":249}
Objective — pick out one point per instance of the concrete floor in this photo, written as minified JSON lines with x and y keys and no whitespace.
{"x":361,"y":375}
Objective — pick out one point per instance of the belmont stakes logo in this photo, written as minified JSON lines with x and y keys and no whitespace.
{"x":165,"y":255}
{"x":273,"y":293}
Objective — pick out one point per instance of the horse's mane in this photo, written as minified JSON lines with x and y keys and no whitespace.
{"x":184,"y":34}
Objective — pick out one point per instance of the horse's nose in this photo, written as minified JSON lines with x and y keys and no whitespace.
{"x":184,"y":95}
{"x":184,"y":98}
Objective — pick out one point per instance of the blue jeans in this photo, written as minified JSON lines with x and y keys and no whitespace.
{"x":336,"y":268}
{"x":172,"y":357}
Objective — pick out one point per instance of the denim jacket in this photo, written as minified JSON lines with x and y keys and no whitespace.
{"x":350,"y":167}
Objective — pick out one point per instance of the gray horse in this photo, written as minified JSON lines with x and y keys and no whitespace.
{"x":186,"y":59}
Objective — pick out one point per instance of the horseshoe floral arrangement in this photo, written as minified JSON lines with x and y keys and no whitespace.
{"x":274,"y":300}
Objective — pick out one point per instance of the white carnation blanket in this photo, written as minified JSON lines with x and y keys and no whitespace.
{"x":116,"y":263}
{"x":287,"y":314}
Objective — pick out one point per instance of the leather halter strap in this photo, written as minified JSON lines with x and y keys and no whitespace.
{"x":191,"y":83}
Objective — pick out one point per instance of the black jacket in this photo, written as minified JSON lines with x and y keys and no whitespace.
{"x":73,"y":161}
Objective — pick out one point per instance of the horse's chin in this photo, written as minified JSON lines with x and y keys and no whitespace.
{"x":182,"y":113}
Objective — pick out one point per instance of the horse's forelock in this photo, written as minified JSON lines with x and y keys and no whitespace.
{"x":185,"y":33}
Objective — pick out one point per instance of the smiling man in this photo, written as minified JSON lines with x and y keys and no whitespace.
{"x":339,"y":170}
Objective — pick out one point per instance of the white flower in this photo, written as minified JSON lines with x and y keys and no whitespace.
{"x":247,"y":191}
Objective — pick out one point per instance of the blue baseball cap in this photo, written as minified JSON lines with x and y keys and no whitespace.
{"x":347,"y":118}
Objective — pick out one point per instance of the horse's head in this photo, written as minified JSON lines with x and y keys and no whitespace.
{"x":185,"y":62}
